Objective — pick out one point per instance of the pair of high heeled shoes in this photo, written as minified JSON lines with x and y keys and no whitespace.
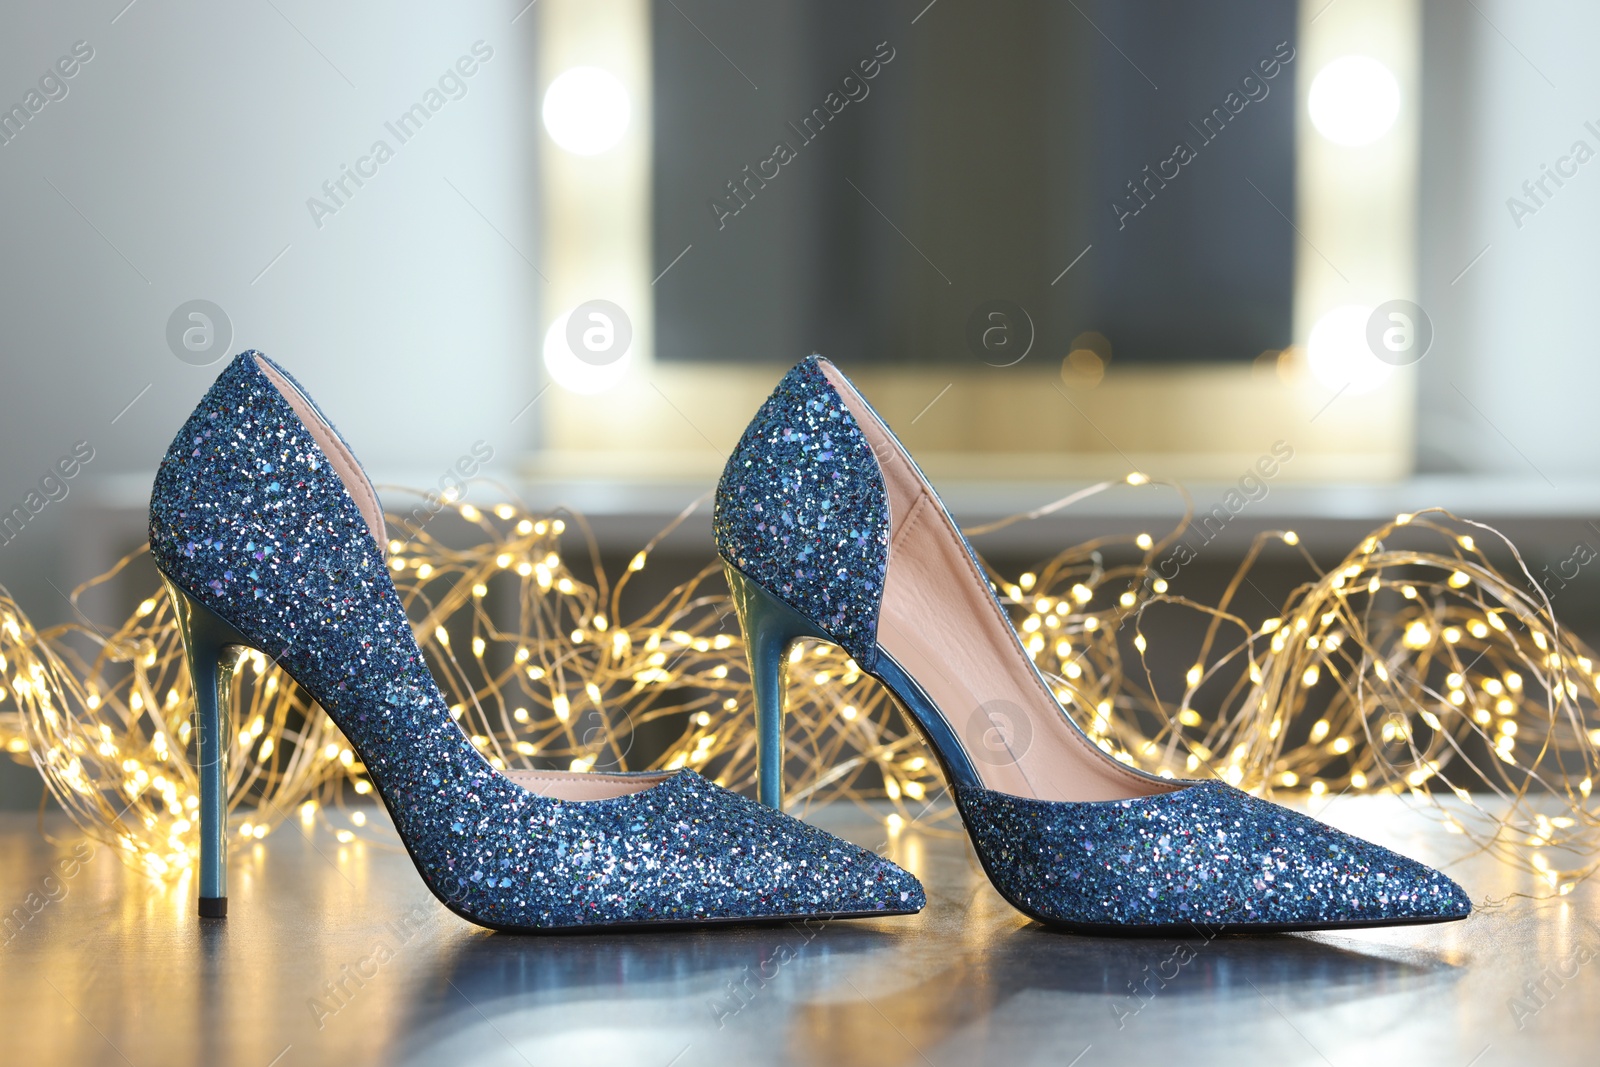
{"x":269,"y":537}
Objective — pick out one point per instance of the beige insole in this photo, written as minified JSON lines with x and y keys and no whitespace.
{"x":585,"y":785}
{"x":940,"y":623}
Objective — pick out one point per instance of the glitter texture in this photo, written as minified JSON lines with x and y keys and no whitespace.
{"x":801,"y":508}
{"x":1209,"y":854}
{"x":248,"y":516}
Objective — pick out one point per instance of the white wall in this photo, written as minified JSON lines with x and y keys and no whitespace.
{"x":191,"y":142}
{"x":1509,"y":89}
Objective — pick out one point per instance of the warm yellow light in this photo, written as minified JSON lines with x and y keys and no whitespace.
{"x":586,"y":110}
{"x":576,"y":643}
{"x":1353,"y":100}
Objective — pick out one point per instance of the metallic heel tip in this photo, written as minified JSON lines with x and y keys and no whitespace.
{"x":213,"y":907}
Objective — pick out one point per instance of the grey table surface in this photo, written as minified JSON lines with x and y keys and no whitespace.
{"x":337,"y":954}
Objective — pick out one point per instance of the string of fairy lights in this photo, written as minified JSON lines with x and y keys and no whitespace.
{"x":1414,"y":666}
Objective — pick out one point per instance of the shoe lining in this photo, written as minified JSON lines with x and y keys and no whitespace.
{"x":585,"y":785}
{"x":939,"y":622}
{"x":337,"y":453}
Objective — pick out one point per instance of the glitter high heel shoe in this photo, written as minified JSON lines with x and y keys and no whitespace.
{"x":827,"y":529}
{"x":270,"y":537}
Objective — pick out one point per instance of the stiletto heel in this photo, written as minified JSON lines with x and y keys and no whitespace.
{"x":212,"y":649}
{"x":269,"y":536}
{"x":827,"y":527}
{"x":770,"y":627}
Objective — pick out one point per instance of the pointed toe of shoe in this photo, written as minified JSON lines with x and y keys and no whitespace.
{"x":826,"y":876}
{"x":884,"y":887}
{"x":1206,"y":855}
{"x":784,"y":868}
{"x":1343,"y":880}
{"x":1454,"y":902}
{"x":908,"y":890}
{"x":1401,"y":890}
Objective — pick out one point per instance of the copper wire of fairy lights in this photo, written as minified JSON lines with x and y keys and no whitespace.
{"x":1414,"y":666}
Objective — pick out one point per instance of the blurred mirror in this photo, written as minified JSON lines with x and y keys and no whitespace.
{"x":989,"y":182}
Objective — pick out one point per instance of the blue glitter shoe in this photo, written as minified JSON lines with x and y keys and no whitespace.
{"x":828,"y":530}
{"x":269,"y":536}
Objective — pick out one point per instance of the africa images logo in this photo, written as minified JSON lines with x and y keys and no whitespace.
{"x":452,"y":85}
{"x":1253,"y":88}
{"x":853,"y":88}
{"x":52,"y":87}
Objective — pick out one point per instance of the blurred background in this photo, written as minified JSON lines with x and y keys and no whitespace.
{"x":1053,"y":242}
